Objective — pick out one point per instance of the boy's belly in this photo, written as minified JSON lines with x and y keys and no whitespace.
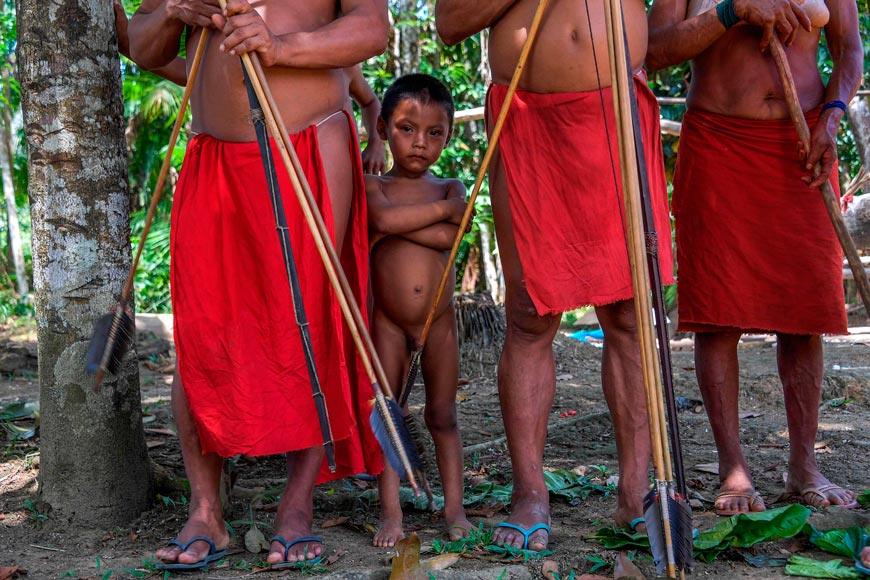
{"x":405,"y":278}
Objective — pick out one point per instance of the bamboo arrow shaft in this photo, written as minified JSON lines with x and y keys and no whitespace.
{"x":832,"y":202}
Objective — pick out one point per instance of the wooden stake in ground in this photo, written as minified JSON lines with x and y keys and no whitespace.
{"x":469,"y":208}
{"x":832,"y":202}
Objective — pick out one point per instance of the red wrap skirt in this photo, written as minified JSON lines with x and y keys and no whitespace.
{"x":560,"y":157}
{"x":755,"y":246}
{"x":239,"y":348}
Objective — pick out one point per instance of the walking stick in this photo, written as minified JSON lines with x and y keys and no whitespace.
{"x":113,"y":333}
{"x":469,"y":208}
{"x":390,"y":432}
{"x":292,"y":275}
{"x":663,"y":513}
{"x":832,"y":202}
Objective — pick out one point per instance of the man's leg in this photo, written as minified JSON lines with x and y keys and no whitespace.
{"x":204,"y":474}
{"x":801,"y":365}
{"x":717,"y":370}
{"x":296,"y":510}
{"x":526,"y":382}
{"x":441,"y":376}
{"x":622,"y":381}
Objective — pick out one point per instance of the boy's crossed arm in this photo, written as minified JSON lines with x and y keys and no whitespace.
{"x":429,"y":224}
{"x":440,"y":236}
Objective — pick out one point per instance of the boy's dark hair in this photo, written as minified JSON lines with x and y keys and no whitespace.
{"x":420,"y":87}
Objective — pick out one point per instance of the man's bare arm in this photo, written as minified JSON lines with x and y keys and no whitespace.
{"x":844,"y":44}
{"x":156,"y":27}
{"x":456,"y":20}
{"x":175,"y":71}
{"x":674,"y":37}
{"x":374,"y":157}
{"x":360,"y":32}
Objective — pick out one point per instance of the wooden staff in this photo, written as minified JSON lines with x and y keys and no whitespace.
{"x":115,"y":329}
{"x":832,"y":201}
{"x":639,"y":272}
{"x":469,"y":208}
{"x":329,"y":257}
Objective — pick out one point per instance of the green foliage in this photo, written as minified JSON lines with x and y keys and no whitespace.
{"x":808,"y":567}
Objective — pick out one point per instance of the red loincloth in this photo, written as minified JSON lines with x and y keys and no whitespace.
{"x":567,"y":211}
{"x":238,"y":345}
{"x":755,"y":246}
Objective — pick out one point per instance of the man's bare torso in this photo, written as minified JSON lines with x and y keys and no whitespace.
{"x":732,"y":77}
{"x":219,"y":101}
{"x":562,"y":59}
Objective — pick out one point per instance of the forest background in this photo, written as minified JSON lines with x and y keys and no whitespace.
{"x":151,"y":104}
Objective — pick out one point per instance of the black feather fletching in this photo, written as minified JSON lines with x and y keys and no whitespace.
{"x":388,"y":445}
{"x":680,"y":518}
{"x":117,"y":343}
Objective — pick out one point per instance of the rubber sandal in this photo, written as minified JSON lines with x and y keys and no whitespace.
{"x":213,"y":554}
{"x":526,"y":532}
{"x":298,"y":563}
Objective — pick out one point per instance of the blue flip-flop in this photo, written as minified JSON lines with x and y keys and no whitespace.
{"x":213,"y":554}
{"x":633,"y":524}
{"x":287,"y":545}
{"x":526,"y":532}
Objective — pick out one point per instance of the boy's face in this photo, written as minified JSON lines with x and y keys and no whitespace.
{"x":417,"y":133}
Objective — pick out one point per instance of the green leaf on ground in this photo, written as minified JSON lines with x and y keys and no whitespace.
{"x":800,"y":566}
{"x":847,"y":543}
{"x":620,"y":539}
{"x":745,"y":530}
{"x":864,"y":498}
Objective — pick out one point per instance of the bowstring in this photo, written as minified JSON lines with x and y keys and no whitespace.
{"x":619,"y":209}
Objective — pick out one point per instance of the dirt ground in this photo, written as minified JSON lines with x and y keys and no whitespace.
{"x":50,"y":549}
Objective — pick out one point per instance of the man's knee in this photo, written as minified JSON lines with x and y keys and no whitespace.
{"x":523,"y":317}
{"x":440,"y":418}
{"x":618,"y":320}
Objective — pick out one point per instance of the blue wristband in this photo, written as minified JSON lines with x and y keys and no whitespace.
{"x":834,"y":105}
{"x":727,"y":16}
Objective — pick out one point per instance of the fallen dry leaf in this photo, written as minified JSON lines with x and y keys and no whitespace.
{"x":334,"y":557}
{"x":708,"y":468}
{"x":749,"y":414}
{"x":625,"y":568}
{"x":167,"y":432}
{"x":151,"y":444}
{"x":334,"y":522}
{"x":406,"y":564}
{"x":255,"y":541}
{"x":486,"y":511}
{"x":441,"y":562}
{"x":550,"y":570}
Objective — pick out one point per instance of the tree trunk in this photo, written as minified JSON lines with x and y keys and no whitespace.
{"x":406,"y":38}
{"x":859,"y":121}
{"x":7,"y":163}
{"x":489,"y":263}
{"x":94,"y":464}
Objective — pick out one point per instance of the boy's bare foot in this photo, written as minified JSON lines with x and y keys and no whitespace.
{"x":199,"y":523}
{"x":389,"y":532}
{"x":526,"y":513}
{"x":458,"y":527}
{"x":865,"y":557}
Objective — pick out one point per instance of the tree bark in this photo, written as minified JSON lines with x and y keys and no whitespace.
{"x":406,"y":38}
{"x":859,"y":121}
{"x":489,"y":263}
{"x":94,"y":464}
{"x":7,"y":163}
